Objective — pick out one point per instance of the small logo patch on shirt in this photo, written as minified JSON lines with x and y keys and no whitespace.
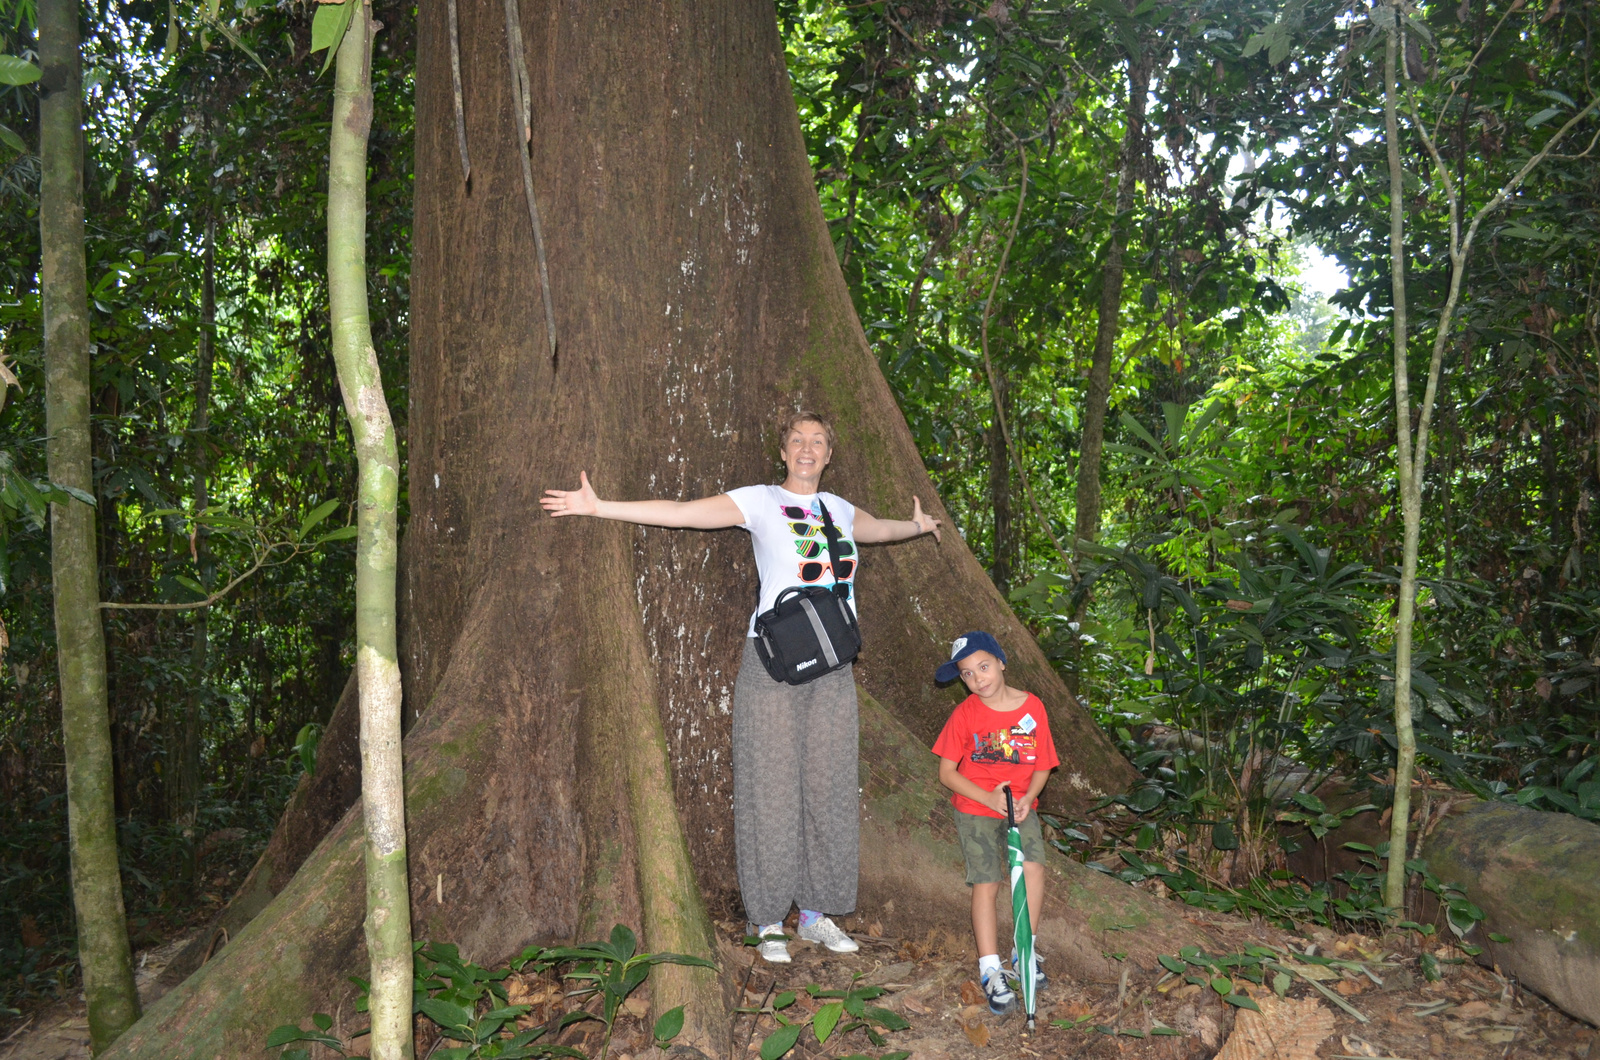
{"x":1027,"y":724}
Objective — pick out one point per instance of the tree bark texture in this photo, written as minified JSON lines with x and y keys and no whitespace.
{"x":388,"y":905}
{"x":185,"y":772}
{"x":1536,"y":876}
{"x":1004,"y":547}
{"x":1394,"y":881}
{"x":570,"y":682}
{"x":108,"y":985}
{"x":1108,"y":325}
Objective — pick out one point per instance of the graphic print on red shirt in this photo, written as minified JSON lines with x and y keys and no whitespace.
{"x":991,"y":746}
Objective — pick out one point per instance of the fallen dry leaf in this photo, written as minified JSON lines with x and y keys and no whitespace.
{"x":1282,"y":1030}
{"x":875,"y":929}
{"x":971,"y":1012}
{"x":637,"y":1007}
{"x":1354,"y":1046}
{"x":971,"y":993}
{"x":1498,"y":1035}
{"x":977,"y":1033}
{"x":1348,"y":987}
{"x":1472,"y":1010}
{"x":1320,"y":972}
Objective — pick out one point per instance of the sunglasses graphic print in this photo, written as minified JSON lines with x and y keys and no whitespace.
{"x":811,"y":571}
{"x":812,"y":547}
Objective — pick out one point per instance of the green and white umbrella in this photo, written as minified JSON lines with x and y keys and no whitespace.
{"x":1021,"y":923}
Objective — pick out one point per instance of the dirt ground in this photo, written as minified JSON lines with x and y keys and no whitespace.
{"x":1470,"y":1014}
{"x":59,"y":1030}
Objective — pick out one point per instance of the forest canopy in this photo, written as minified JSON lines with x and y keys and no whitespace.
{"x":1089,"y":244}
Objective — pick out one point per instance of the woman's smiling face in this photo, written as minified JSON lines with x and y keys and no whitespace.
{"x":806,"y":452}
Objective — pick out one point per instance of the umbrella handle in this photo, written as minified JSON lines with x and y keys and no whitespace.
{"x":1011,"y":809}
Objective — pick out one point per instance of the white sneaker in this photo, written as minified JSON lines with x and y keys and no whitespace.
{"x":830,"y":935}
{"x":774,"y":947}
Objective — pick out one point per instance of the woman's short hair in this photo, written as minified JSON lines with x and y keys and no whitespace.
{"x":796,"y":418}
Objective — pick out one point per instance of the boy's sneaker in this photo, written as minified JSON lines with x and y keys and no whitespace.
{"x":1040,"y":980}
{"x":774,"y":947}
{"x":830,"y":935}
{"x":1001,"y":999}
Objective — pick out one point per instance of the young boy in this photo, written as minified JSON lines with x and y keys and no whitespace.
{"x":998,"y":738}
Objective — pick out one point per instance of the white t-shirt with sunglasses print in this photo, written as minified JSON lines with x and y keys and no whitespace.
{"x":786,"y":533}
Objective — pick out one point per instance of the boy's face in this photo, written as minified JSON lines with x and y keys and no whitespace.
{"x":983,"y":674}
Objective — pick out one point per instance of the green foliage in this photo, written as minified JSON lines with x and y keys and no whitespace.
{"x":470,"y":1006}
{"x":841,"y":1012}
{"x":183,"y":130}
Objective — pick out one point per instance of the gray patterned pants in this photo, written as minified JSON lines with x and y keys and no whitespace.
{"x":796,"y":795}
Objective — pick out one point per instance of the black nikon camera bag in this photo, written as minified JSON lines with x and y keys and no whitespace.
{"x":810,"y":630}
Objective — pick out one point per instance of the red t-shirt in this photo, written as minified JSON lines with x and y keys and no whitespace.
{"x":989,"y":746}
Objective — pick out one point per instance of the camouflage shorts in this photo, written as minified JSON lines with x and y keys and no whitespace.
{"x":983,"y":844}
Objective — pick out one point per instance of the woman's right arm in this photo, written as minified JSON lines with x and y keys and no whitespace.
{"x":707,"y":513}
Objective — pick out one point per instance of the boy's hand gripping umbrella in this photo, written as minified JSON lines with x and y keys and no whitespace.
{"x":1021,"y":923}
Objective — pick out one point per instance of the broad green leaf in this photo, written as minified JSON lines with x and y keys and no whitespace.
{"x":15,"y":70}
{"x":1240,"y":1001}
{"x":344,"y":533}
{"x":284,"y":1035}
{"x":327,"y":29}
{"x":780,"y":1041}
{"x":668,"y":1025}
{"x":13,"y":141}
{"x":446,"y":1015}
{"x":1172,"y":964}
{"x":1543,"y":116}
{"x":826,"y":1019}
{"x":315,"y":516}
{"x":323,"y":1021}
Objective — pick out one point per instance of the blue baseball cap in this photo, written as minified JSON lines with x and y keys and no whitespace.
{"x":964,"y":646}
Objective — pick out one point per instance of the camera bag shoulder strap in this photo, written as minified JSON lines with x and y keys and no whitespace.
{"x":831,"y":532}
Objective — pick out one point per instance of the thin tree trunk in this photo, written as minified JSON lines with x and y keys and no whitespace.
{"x":388,"y":921}
{"x":186,"y":775}
{"x":108,"y":986}
{"x":1109,"y":322}
{"x":1412,"y":461}
{"x":1410,"y":490}
{"x":1000,"y":568}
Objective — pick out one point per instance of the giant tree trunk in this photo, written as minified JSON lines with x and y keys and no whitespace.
{"x":571,"y":681}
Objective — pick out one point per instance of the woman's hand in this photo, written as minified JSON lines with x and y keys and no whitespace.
{"x":926,"y":524}
{"x":581,"y":501}
{"x":869,"y":530}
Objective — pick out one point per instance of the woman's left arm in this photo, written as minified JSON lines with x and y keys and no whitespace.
{"x":870,"y":530}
